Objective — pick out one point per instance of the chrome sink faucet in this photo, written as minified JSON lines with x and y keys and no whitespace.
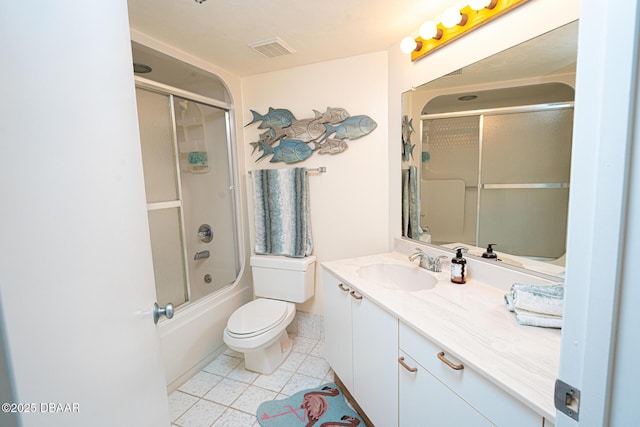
{"x":427,"y":262}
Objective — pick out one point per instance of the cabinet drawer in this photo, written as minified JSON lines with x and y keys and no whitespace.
{"x":498,"y":406}
{"x":425,"y":401}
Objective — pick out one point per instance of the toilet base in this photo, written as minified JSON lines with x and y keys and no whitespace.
{"x":267,"y":360}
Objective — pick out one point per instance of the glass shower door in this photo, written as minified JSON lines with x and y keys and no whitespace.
{"x":186,"y":154}
{"x":202,"y":136}
{"x":164,"y":206}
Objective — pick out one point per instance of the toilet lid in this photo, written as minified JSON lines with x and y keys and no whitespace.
{"x":256,"y":316}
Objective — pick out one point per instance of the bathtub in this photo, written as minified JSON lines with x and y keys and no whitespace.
{"x":193,"y":338}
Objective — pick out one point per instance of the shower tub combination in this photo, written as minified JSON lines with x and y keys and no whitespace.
{"x":192,"y":209}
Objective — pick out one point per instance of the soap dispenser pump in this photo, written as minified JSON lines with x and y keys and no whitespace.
{"x":489,"y":254}
{"x":459,"y":267}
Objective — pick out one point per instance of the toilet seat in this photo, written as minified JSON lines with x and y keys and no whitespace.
{"x":256,"y":317}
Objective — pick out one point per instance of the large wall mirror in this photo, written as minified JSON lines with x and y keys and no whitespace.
{"x":489,"y":154}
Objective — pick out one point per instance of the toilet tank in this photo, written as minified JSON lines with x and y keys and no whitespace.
{"x":283,"y":278}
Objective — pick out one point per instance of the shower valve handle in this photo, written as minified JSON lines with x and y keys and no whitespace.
{"x":166,"y":311}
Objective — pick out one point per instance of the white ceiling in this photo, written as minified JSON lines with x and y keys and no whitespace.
{"x":220,"y":31}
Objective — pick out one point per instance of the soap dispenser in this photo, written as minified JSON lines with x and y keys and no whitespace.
{"x":489,"y":254}
{"x":459,"y":267}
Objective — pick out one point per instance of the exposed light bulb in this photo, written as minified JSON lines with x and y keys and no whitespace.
{"x":408,"y":45}
{"x":430,"y":30}
{"x":451,"y":17}
{"x":479,"y":4}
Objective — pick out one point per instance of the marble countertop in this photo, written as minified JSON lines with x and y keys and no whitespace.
{"x":471,"y":322}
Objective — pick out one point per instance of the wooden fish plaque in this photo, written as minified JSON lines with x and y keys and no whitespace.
{"x":290,"y":140}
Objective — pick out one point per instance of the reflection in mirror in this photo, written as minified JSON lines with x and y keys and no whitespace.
{"x":492,"y":158}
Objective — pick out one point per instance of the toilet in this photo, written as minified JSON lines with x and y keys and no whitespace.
{"x":259,"y":328}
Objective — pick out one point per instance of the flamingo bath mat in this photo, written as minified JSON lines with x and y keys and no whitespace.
{"x":324,"y":406}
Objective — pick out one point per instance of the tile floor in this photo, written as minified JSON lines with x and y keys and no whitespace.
{"x":225,"y":394}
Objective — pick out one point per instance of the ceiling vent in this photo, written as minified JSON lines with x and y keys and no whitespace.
{"x":272,"y":47}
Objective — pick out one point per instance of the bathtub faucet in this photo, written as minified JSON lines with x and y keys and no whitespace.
{"x":427,"y":262}
{"x":201,"y":255}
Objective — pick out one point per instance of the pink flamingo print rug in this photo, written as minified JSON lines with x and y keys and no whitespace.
{"x":324,"y":406}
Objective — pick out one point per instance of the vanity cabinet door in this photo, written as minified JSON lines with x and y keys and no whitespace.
{"x":338,"y":341}
{"x":375,"y":355}
{"x":425,"y":401}
{"x":361,"y":345}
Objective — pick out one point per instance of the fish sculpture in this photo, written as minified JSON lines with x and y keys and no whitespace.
{"x":332,"y":115}
{"x":407,"y":129}
{"x":268,"y":137}
{"x":351,"y":128}
{"x":288,"y":151}
{"x":305,"y":130}
{"x":279,"y":117}
{"x":332,"y":146}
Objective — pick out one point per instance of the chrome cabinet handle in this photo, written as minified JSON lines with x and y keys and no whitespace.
{"x":166,"y":311}
{"x":354,"y":295}
{"x":342,"y":287}
{"x":450,"y":363}
{"x":405,"y":366}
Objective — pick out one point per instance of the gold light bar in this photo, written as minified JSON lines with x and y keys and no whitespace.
{"x":474,"y":19}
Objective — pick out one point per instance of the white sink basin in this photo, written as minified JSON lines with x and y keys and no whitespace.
{"x":398,"y":276}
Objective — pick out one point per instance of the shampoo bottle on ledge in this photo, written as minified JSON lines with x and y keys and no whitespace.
{"x":459,"y":267}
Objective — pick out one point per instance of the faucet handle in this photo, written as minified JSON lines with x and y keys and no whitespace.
{"x":437,"y":260}
{"x":437,"y":263}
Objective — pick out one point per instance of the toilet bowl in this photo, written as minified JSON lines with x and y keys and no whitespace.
{"x":259,"y":328}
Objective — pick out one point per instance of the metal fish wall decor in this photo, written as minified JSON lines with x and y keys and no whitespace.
{"x":290,"y":140}
{"x":407,"y":130}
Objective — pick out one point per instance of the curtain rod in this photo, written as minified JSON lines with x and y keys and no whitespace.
{"x":321,"y":169}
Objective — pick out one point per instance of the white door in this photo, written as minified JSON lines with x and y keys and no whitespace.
{"x":76,"y":276}
{"x":599,"y":337}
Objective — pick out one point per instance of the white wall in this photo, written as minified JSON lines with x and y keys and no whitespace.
{"x":349,"y":213}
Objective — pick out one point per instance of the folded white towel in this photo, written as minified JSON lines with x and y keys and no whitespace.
{"x":545,"y":299}
{"x":527,"y":319}
{"x":536,"y":305}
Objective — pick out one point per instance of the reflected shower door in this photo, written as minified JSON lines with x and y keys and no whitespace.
{"x":526,"y":163}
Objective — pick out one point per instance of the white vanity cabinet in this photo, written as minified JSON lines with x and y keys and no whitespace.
{"x":436,"y":389}
{"x":361,"y":345}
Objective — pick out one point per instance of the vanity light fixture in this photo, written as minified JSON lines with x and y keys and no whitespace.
{"x":409,"y":44}
{"x":430,"y":30}
{"x":452,"y":17}
{"x":481,"y":4}
{"x":454,"y":24}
